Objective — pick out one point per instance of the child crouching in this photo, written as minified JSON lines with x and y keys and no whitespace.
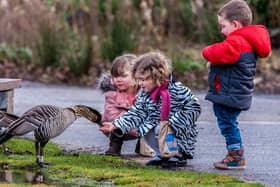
{"x":160,"y":98}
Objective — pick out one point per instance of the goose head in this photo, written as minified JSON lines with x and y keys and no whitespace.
{"x":87,"y":112}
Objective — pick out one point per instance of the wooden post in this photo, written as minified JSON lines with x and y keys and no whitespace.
{"x":7,"y":87}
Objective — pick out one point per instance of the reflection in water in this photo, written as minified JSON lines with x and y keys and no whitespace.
{"x":38,"y":177}
{"x":9,"y":176}
{"x":6,"y":176}
{"x":35,"y":178}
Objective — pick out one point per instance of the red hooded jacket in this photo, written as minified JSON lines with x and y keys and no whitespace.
{"x":233,"y":65}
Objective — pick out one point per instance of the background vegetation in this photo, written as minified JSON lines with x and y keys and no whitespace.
{"x":74,"y":41}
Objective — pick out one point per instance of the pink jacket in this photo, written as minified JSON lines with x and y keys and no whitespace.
{"x":116,"y":103}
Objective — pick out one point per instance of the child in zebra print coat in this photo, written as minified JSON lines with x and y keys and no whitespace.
{"x":160,"y":98}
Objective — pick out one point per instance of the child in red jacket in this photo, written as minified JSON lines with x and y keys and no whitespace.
{"x":232,"y":70}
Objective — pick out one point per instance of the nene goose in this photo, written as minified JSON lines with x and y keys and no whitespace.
{"x":47,"y":122}
{"x":5,"y":120}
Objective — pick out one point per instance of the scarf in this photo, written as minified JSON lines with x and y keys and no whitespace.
{"x":162,"y":91}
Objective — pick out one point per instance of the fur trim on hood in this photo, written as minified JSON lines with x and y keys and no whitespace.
{"x":105,"y":83}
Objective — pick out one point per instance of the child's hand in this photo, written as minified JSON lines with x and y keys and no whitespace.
{"x":134,"y":132}
{"x":105,"y":133}
{"x":107,"y":127}
{"x":169,"y":124}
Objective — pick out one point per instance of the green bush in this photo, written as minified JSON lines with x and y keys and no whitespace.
{"x":210,"y":31}
{"x":114,"y":7}
{"x":201,"y":26}
{"x":15,"y":54}
{"x":119,"y":41}
{"x":102,"y":8}
{"x":77,"y":54}
{"x":49,"y":47}
{"x":57,"y":49}
{"x":260,"y":7}
{"x":181,"y":65}
{"x":186,"y":15}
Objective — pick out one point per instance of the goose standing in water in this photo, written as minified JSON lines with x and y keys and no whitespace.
{"x":47,"y":122}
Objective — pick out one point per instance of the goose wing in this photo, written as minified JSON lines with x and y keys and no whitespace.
{"x":33,"y":119}
{"x":7,"y":118}
{"x":17,"y":127}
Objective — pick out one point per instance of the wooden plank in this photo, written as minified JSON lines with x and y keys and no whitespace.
{"x":3,"y":100}
{"x":7,"y":87}
{"x":10,"y":107}
{"x":9,"y":84}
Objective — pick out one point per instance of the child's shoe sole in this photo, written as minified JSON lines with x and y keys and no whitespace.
{"x":224,"y":166}
{"x":172,"y":164}
{"x":154,"y":163}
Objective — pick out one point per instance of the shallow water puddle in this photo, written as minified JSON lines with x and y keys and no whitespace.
{"x":20,"y":177}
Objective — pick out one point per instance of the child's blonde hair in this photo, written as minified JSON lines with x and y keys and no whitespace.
{"x":122,"y":64}
{"x":154,"y":65}
{"x":237,"y":10}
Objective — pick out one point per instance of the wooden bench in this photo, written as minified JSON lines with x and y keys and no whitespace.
{"x":7,"y":87}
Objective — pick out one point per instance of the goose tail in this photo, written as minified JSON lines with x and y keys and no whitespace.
{"x":4,"y":137}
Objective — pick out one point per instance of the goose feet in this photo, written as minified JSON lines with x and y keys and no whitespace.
{"x":41,"y":163}
{"x":44,"y":164}
{"x":7,"y":152}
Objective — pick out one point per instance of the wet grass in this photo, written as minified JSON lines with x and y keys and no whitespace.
{"x":87,"y":169}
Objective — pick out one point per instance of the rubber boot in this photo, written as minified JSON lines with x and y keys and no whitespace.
{"x":137,"y":147}
{"x":115,"y":145}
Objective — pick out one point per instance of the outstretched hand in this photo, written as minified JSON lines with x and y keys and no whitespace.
{"x":107,"y":127}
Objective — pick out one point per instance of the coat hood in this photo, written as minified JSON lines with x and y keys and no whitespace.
{"x":258,"y":37}
{"x":105,"y":84}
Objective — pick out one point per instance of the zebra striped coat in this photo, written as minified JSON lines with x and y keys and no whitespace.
{"x":144,"y":115}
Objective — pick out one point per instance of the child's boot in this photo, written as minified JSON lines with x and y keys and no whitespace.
{"x":137,"y":147}
{"x":115,"y":145}
{"x":233,"y":160}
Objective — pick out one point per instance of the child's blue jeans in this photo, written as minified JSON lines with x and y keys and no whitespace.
{"x":228,"y":124}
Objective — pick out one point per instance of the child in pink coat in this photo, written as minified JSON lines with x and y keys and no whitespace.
{"x":120,"y":90}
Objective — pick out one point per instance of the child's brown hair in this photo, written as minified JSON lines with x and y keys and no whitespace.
{"x":121,"y":64}
{"x":154,"y":65}
{"x":237,"y":10}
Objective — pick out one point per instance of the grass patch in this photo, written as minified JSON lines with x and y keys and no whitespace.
{"x":82,"y":169}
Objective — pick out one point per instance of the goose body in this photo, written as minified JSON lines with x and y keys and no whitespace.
{"x":47,"y":122}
